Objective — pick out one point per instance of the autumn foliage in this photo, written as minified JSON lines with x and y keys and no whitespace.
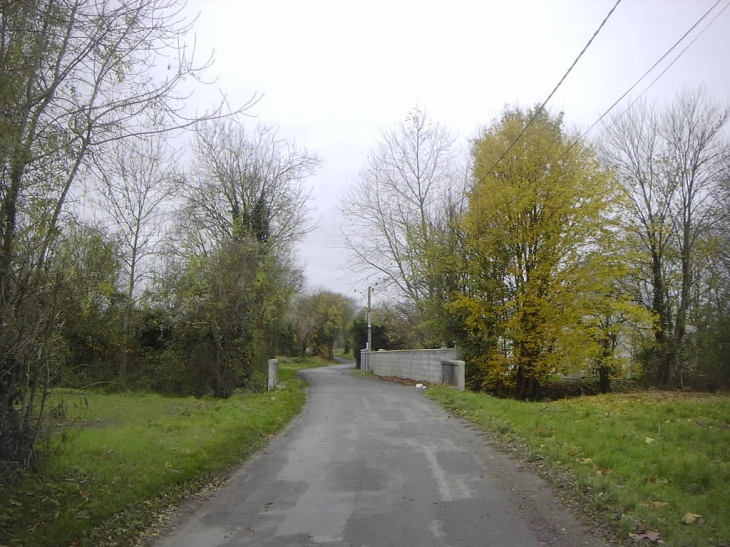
{"x":538,"y":254}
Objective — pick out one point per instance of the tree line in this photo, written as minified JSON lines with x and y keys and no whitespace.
{"x":139,"y":248}
{"x":542,"y":254}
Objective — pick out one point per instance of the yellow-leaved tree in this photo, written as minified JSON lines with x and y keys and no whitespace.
{"x":540,"y":256}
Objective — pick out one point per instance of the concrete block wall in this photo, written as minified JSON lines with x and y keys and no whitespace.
{"x":414,"y":364}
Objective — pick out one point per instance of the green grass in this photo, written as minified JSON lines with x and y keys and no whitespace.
{"x":638,"y":461}
{"x":129,"y":456}
{"x":288,"y":366}
{"x":340,"y":352}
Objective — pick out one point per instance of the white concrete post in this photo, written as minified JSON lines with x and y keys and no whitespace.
{"x":454,"y":373}
{"x":273,"y":374}
{"x":460,"y":375}
{"x":365,"y":360}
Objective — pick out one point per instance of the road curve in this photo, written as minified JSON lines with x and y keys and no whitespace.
{"x":370,"y":463}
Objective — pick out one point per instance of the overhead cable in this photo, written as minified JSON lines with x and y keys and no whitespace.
{"x":629,"y":90}
{"x":542,"y":106}
{"x":719,"y":13}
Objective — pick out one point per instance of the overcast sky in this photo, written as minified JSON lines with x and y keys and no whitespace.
{"x":333,"y":73}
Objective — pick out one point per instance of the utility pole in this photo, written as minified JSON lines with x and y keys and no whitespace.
{"x":370,"y":334}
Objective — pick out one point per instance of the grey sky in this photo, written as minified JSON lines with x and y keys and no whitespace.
{"x":335,"y":72}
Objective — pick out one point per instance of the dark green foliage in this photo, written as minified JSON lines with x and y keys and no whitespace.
{"x":286,"y":340}
{"x":382,"y":337}
{"x":260,"y":222}
{"x":319,"y":320}
{"x":209,"y":330}
{"x":91,"y":305}
{"x":713,"y":358}
{"x":16,"y":442}
{"x":223,"y":309}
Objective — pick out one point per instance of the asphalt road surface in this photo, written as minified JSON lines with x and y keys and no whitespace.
{"x":371,"y":463}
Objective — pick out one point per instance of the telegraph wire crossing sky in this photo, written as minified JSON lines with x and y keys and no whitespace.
{"x":543,"y":105}
{"x":334,"y":74}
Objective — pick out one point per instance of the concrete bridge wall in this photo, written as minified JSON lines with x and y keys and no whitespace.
{"x":423,"y":365}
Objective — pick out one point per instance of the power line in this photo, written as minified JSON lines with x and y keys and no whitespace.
{"x":542,"y":106}
{"x":670,"y":64}
{"x":652,"y":68}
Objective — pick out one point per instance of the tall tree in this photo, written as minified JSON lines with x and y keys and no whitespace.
{"x":136,"y":181}
{"x":670,"y":163}
{"x":536,"y":223}
{"x":243,"y":207}
{"x":393,"y":209}
{"x":224,"y":306}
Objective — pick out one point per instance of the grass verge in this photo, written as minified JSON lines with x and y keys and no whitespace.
{"x":650,"y":466}
{"x":340,"y":352}
{"x":128,"y":457}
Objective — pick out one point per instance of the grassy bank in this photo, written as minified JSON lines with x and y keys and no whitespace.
{"x":340,"y":352}
{"x":129,"y":456}
{"x":656,"y":464}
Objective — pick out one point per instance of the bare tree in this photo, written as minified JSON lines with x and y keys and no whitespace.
{"x":633,"y":150}
{"x":401,"y":198}
{"x":695,"y":159}
{"x":246,"y":184}
{"x":670,"y":163}
{"x":136,"y":182}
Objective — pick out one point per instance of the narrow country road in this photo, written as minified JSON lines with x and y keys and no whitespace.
{"x":370,"y":463}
